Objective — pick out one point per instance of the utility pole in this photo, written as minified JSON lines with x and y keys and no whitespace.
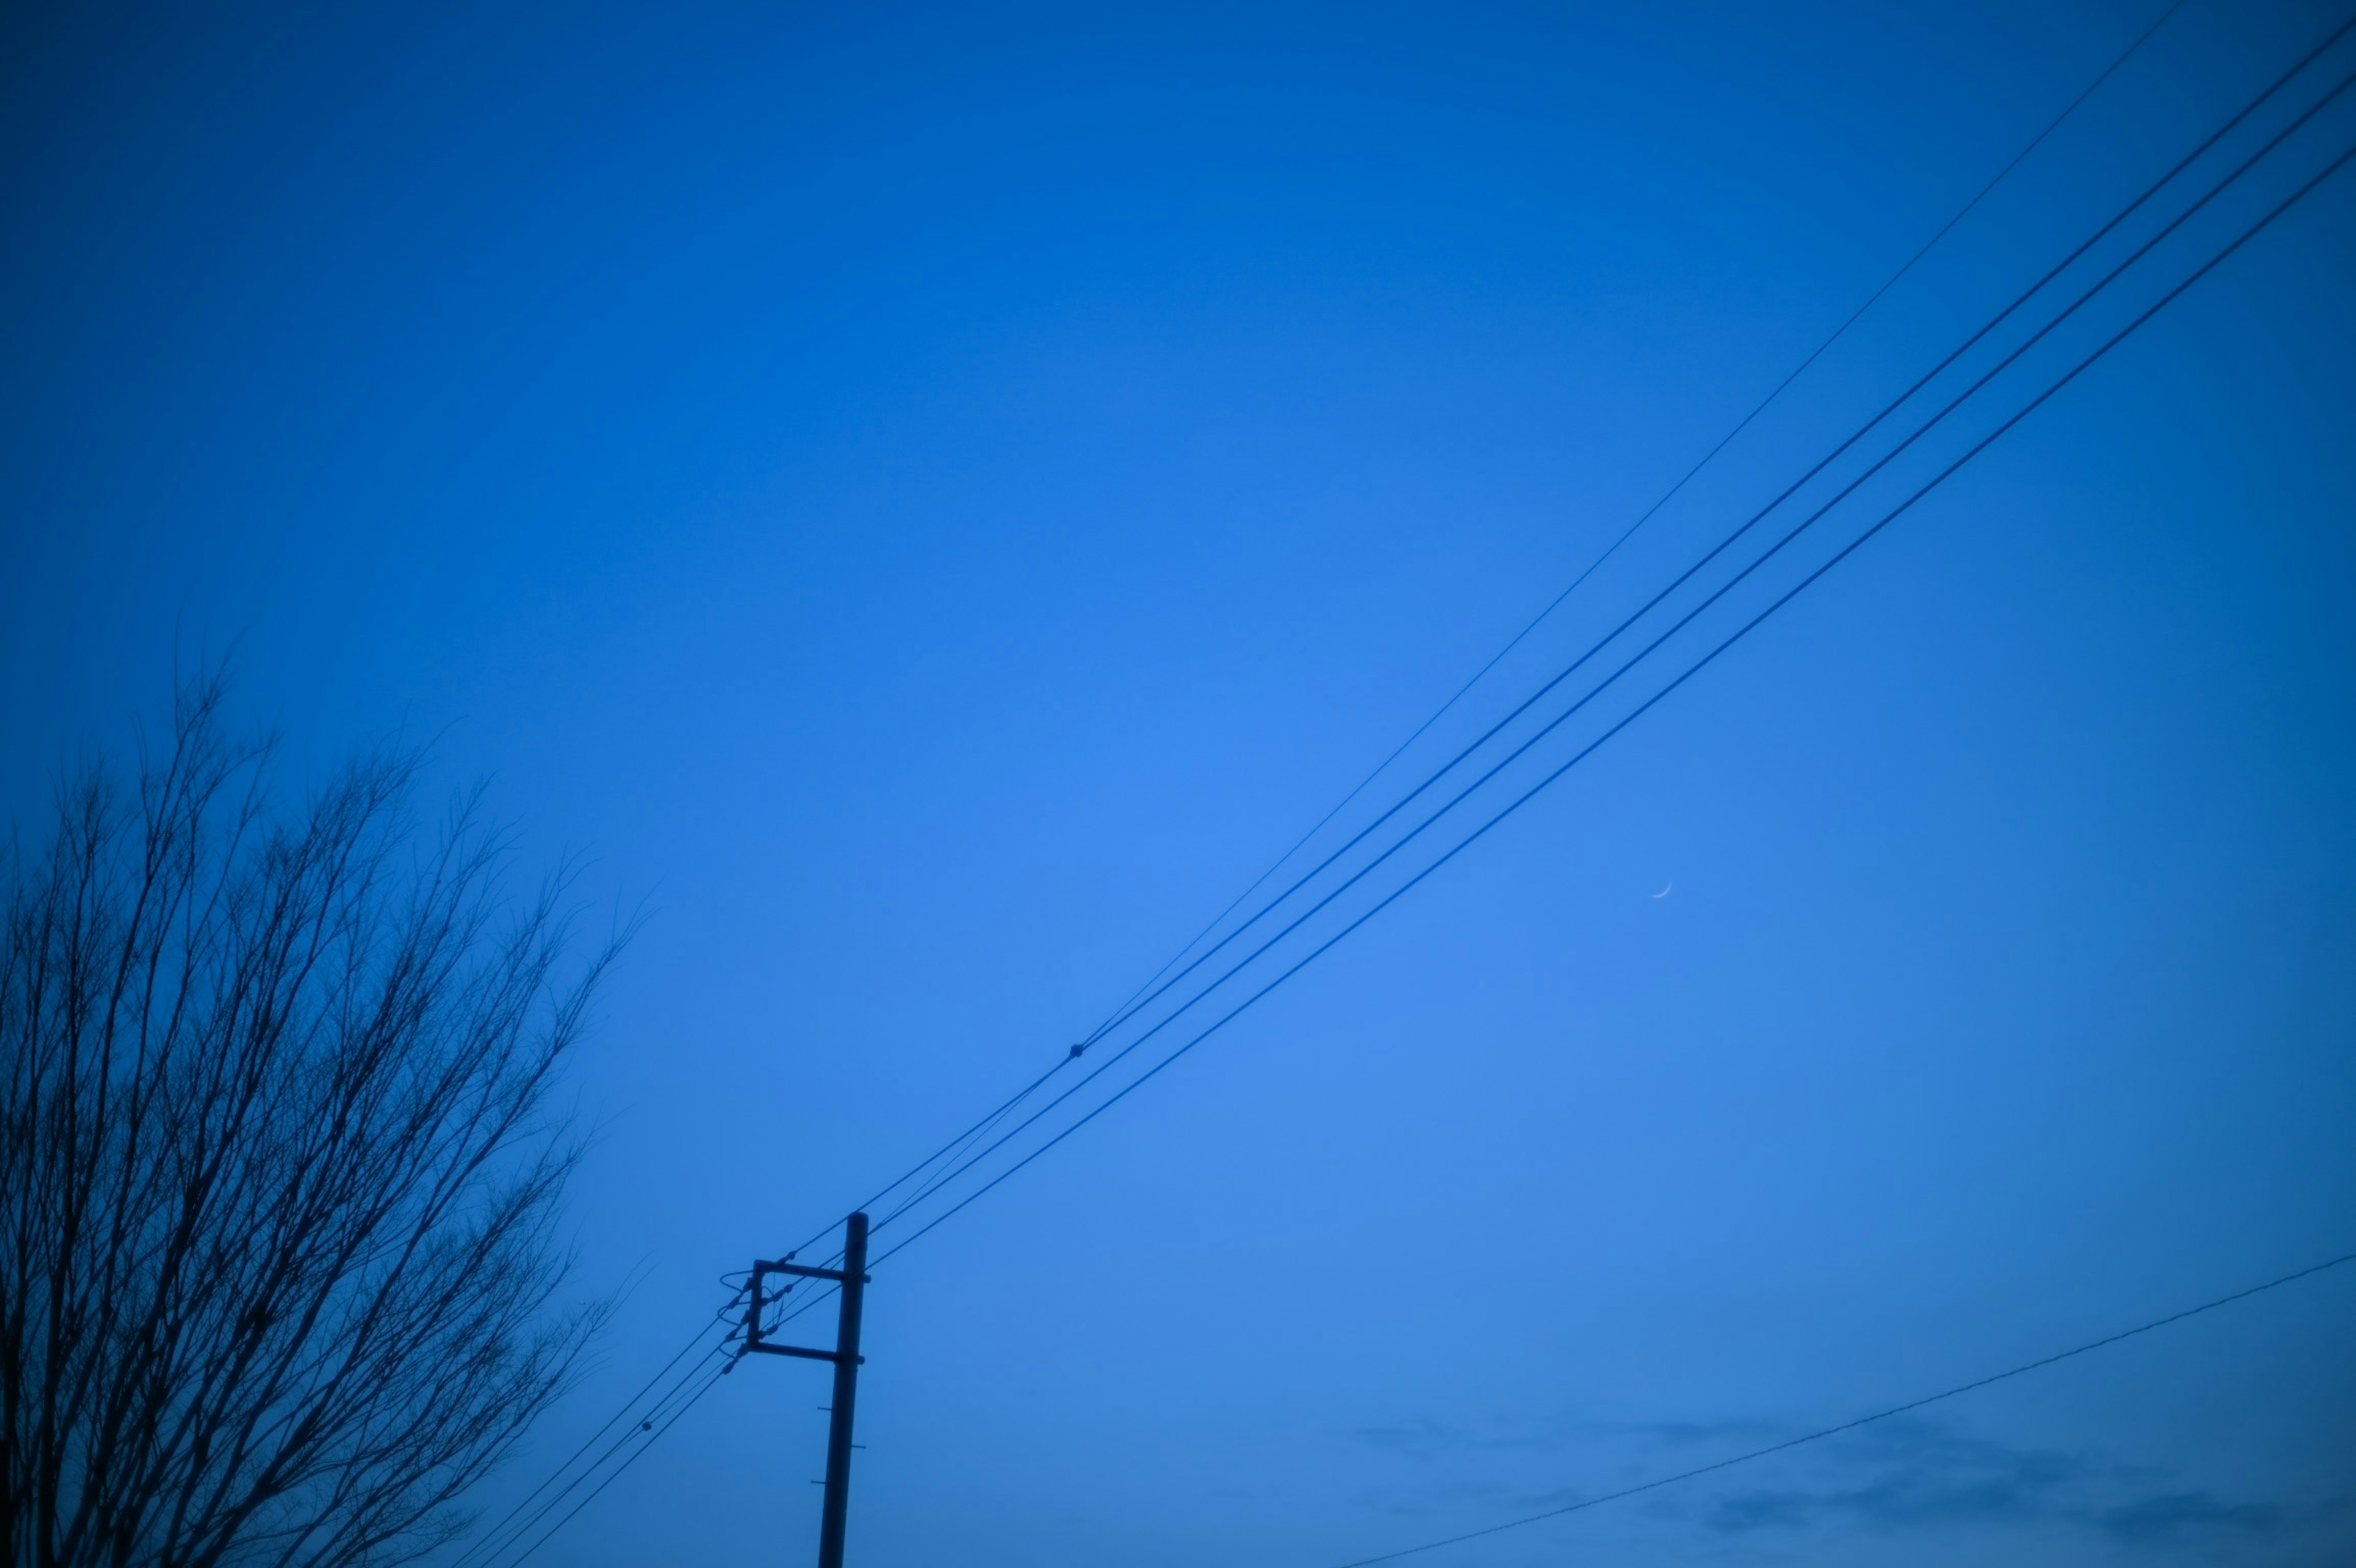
{"x":852,"y":1278}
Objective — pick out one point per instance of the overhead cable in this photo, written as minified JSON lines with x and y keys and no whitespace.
{"x":951,"y":1153}
{"x":1646,"y":706}
{"x":1742,"y":530}
{"x":487,"y":1548}
{"x":1818,"y":1437}
{"x":1129,"y":1007}
{"x":652,"y":1438}
{"x":1663,"y":500}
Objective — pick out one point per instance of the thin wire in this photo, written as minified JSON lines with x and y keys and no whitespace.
{"x":620,"y":1442}
{"x":955,"y":1146}
{"x":949,"y":1150}
{"x":982,"y":1129}
{"x":1643,"y":707}
{"x":1818,"y":1436}
{"x":629,"y":1406}
{"x":603,"y":1458}
{"x":1006,"y":1107}
{"x":976,"y":1130}
{"x":1756,"y":517}
{"x":1128,"y":1008}
{"x":1775,"y":549}
{"x":2103,"y":282}
{"x":823,"y":1294}
{"x":652,"y":1438}
{"x":1670,"y":493}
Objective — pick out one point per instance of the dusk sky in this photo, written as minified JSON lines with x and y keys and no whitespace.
{"x":928,"y":503}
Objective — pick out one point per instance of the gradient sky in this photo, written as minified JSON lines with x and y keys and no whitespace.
{"x":933,"y":500}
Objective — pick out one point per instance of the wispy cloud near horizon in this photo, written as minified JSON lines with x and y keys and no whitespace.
{"x":1905,"y":1476}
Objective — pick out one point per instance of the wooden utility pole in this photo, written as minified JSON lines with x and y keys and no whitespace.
{"x":852,"y":1278}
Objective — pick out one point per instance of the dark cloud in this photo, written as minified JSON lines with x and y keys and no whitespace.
{"x":2174,"y":1513}
{"x":1421,"y":1439}
{"x":1896,"y":1476}
{"x":1921,"y":1475}
{"x":1432,"y":1439}
{"x":1929,"y":1478}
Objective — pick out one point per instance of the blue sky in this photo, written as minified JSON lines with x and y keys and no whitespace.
{"x":932,"y":501}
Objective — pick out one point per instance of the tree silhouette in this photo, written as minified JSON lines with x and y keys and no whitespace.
{"x":279,"y":1170}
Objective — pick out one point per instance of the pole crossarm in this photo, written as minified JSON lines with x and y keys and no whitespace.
{"x":845,"y":1356}
{"x":763,"y":1348}
{"x":805,"y":1271}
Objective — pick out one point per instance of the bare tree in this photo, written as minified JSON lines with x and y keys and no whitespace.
{"x":278,"y":1168}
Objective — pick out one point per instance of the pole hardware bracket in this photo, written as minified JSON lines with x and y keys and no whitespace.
{"x":763,"y":1348}
{"x":845,"y":1358}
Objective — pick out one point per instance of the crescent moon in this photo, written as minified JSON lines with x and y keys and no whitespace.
{"x":1663,"y":893}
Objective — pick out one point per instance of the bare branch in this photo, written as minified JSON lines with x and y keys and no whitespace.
{"x":279,"y":1170}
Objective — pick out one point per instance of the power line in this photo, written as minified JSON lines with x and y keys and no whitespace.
{"x":1575,"y":707}
{"x":638,"y":1431}
{"x":1725,"y":441}
{"x":519,"y":1524}
{"x":1128,"y":1009}
{"x":1589,"y":750}
{"x":1671,"y":492}
{"x":653,"y":1437}
{"x":950,"y":1152}
{"x":483,"y":1543}
{"x":1818,"y":1436}
{"x":1837,"y":452}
